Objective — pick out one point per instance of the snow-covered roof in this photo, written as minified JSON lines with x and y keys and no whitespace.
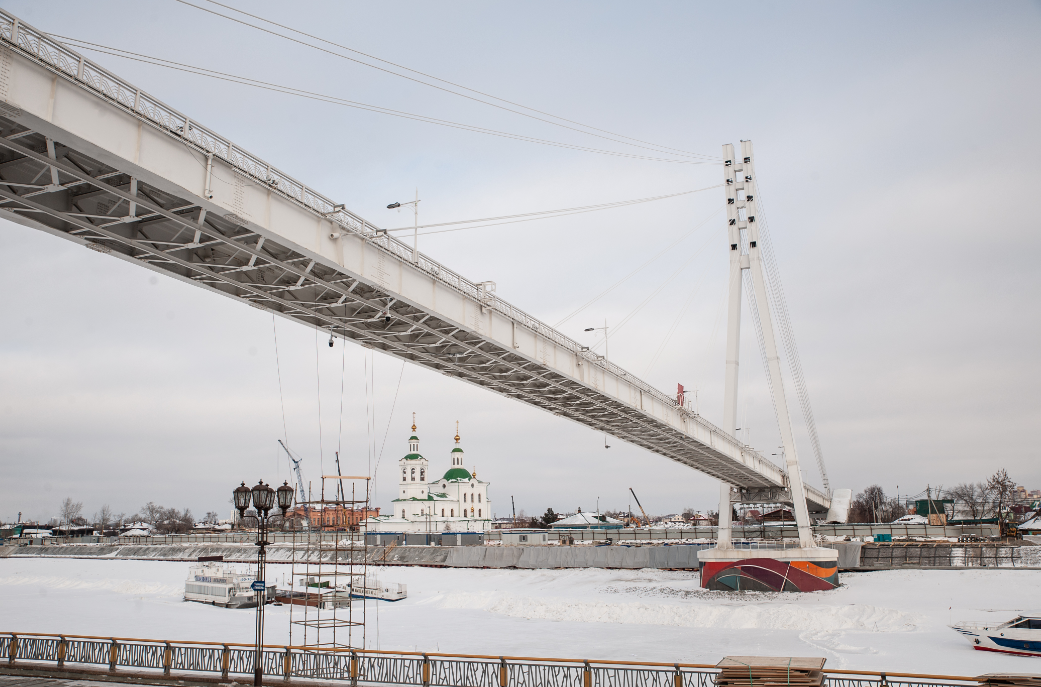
{"x":587,"y":520}
{"x":912,"y":519}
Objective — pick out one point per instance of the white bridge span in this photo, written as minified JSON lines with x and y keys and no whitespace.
{"x":89,"y":157}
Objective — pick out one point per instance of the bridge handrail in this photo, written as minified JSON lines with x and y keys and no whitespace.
{"x":392,"y":667}
{"x":101,"y":81}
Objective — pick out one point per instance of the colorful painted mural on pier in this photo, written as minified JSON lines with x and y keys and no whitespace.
{"x":769,"y":575}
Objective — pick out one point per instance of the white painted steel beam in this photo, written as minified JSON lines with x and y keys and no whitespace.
{"x":86,"y":156}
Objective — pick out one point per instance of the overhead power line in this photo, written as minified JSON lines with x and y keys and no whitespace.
{"x":548,"y":214}
{"x":334,"y":100}
{"x":617,"y":138}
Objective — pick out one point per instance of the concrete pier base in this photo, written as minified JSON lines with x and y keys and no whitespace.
{"x":781,"y":570}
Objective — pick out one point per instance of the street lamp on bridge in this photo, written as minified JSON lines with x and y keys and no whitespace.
{"x":263,"y":498}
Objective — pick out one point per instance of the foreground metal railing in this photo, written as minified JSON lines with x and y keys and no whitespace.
{"x":159,"y":657}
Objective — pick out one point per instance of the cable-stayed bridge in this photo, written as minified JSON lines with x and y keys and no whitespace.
{"x":91,"y":158}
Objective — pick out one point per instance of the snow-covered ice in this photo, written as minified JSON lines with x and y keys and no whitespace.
{"x":893,"y":620}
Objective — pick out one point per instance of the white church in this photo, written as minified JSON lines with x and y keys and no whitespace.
{"x":455,"y":502}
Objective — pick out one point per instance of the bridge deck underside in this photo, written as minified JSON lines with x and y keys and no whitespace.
{"x":68,"y":193}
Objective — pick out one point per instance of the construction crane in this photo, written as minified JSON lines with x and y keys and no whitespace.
{"x":645,"y":518}
{"x":302,"y":495}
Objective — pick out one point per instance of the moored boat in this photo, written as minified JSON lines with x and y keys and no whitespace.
{"x":219,"y":584}
{"x":1020,"y":636}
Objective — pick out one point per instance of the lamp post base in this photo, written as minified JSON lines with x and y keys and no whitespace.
{"x":780,"y":570}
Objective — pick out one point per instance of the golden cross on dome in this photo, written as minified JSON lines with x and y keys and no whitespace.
{"x":413,"y":421}
{"x":457,"y":431}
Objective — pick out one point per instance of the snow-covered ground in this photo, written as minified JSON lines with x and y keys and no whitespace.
{"x":892,"y":621}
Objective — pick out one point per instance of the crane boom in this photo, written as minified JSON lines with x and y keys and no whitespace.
{"x":645,"y":518}
{"x":302,"y":495}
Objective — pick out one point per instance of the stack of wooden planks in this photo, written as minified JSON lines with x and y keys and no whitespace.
{"x":770,"y":671}
{"x":1009,"y":680}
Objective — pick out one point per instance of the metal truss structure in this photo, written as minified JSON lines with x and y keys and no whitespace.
{"x":87,"y":156}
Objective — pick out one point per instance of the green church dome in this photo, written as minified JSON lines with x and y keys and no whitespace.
{"x":457,"y":473}
{"x":457,"y":450}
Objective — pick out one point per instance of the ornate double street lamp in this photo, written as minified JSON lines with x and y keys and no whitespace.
{"x":263,"y":498}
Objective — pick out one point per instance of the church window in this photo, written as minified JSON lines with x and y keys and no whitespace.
{"x":478,"y":498}
{"x":478,"y":512}
{"x":413,"y":474}
{"x":422,"y":474}
{"x":464,"y":498}
{"x":402,"y":513}
{"x":404,"y":476}
{"x":453,"y":513}
{"x":442,"y":512}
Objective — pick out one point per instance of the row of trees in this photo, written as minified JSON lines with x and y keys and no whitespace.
{"x":164,"y":520}
{"x":977,"y":500}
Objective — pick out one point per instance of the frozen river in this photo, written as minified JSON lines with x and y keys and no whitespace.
{"x":893,"y":621}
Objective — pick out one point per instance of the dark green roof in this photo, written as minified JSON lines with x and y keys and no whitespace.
{"x":415,"y":498}
{"x":457,"y":450}
{"x":413,"y":438}
{"x":413,"y":456}
{"x":457,"y":473}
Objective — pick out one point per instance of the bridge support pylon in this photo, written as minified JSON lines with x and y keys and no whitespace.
{"x":726,"y":568}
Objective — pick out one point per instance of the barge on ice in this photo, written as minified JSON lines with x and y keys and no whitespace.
{"x":1020,"y":636}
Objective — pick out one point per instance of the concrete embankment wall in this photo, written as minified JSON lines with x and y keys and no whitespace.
{"x":678,"y":556}
{"x":852,"y":555}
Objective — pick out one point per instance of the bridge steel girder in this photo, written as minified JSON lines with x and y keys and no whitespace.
{"x":78,"y":143}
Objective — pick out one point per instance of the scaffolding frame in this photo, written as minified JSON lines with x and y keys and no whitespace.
{"x":324,"y":611}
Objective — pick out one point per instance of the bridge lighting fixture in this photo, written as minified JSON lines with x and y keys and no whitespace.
{"x":415,"y":226}
{"x":330,"y":341}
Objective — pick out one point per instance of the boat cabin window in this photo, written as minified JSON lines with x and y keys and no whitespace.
{"x":1026,"y":624}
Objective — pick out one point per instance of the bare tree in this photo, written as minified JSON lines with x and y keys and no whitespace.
{"x":119,"y":519}
{"x":103,"y":517}
{"x":212,"y":518}
{"x":974,"y":496}
{"x":152,"y":513}
{"x":70,"y":510}
{"x":872,"y":505}
{"x":1002,"y":490}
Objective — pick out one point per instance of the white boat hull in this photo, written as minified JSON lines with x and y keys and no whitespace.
{"x":1001,"y":639}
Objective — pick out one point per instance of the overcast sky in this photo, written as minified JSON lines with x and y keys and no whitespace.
{"x":897,"y":151}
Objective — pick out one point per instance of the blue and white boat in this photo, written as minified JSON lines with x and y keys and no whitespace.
{"x":1020,"y":636}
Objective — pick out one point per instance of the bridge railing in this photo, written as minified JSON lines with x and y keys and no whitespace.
{"x":357,"y":666}
{"x":40,"y":47}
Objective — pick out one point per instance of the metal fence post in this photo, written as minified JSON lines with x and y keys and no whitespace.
{"x":113,"y":654}
{"x":587,"y":675}
{"x":167,"y":658}
{"x":504,"y":674}
{"x":12,"y":653}
{"x":225,"y":662}
{"x":287,"y":665}
{"x":883,"y":682}
{"x":61,"y":652}
{"x":354,"y":668}
{"x":426,"y":671}
{"x":678,"y":679}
